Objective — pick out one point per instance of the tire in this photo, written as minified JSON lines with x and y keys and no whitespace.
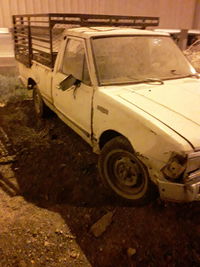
{"x":123,"y":173}
{"x":41,"y":110}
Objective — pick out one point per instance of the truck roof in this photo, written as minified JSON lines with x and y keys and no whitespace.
{"x":88,"y":32}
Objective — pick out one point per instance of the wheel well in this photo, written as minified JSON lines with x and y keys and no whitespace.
{"x":31,"y":83}
{"x":107,"y":136}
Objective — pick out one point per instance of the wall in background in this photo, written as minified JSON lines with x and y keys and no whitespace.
{"x":183,"y":14}
{"x":196,"y":21}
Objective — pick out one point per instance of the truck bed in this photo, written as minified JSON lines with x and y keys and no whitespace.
{"x":37,"y":37}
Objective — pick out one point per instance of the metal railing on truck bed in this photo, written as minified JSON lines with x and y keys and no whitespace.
{"x":37,"y":37}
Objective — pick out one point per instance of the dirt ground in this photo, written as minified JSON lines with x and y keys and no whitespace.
{"x":50,"y":196}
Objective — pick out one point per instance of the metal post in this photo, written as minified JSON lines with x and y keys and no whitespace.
{"x":30,"y":52}
{"x":51,"y":42}
{"x":182,"y":42}
{"x":14,"y":36}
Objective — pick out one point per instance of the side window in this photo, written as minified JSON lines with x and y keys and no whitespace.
{"x":74,"y":61}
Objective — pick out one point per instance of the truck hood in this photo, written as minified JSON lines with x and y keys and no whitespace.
{"x":176,"y":103}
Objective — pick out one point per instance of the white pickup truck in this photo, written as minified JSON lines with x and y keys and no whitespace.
{"x":130,"y":93}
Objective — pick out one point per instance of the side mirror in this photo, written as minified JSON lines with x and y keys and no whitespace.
{"x":69,"y":82}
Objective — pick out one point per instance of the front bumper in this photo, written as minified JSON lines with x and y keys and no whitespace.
{"x":187,"y":192}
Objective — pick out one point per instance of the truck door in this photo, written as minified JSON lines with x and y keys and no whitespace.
{"x":72,"y":90}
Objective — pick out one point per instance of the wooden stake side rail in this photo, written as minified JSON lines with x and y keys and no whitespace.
{"x":38,"y":30}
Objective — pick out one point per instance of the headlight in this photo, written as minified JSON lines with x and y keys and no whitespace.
{"x":175,"y":167}
{"x":180,"y":164}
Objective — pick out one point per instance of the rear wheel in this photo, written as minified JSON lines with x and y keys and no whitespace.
{"x":123,"y":173}
{"x":41,"y":109}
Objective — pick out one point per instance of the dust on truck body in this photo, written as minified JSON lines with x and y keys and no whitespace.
{"x":129,"y":92}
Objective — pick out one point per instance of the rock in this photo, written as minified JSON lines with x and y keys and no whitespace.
{"x":102,"y":224}
{"x":2,"y":105}
{"x":46,"y":243}
{"x":74,"y":254}
{"x":63,"y":165}
{"x":59,"y":232}
{"x":70,"y":236}
{"x":22,"y":264}
{"x":131,"y":252}
{"x":87,"y":216}
{"x":58,"y":142}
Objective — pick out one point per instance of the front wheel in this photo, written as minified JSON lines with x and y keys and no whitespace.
{"x":123,"y":173}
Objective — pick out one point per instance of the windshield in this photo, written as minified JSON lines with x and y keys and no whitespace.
{"x":131,"y":59}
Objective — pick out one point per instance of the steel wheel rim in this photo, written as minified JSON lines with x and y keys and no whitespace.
{"x":125,"y":173}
